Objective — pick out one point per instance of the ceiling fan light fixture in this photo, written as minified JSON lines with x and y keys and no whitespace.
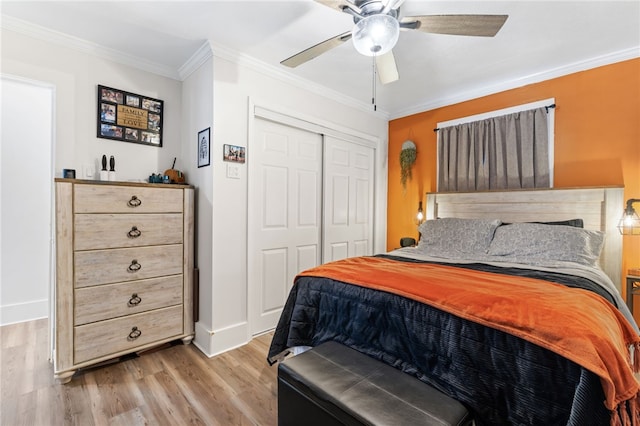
{"x":376,"y":34}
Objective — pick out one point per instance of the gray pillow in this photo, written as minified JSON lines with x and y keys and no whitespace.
{"x":533,"y":241}
{"x":453,"y":237}
{"x":578,"y":223}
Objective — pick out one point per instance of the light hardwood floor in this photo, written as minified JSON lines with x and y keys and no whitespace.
{"x":175,"y":385}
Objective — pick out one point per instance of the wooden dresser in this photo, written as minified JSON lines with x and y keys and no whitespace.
{"x":124,"y":270}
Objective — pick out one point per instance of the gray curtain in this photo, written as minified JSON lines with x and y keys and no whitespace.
{"x":505,"y":152}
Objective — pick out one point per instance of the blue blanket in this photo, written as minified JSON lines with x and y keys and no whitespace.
{"x":501,"y":378}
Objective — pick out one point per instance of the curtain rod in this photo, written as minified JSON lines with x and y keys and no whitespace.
{"x":546,"y":108}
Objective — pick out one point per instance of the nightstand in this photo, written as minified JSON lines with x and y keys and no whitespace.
{"x":633,"y":286}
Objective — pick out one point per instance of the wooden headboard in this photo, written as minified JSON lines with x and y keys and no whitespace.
{"x":599,"y":208}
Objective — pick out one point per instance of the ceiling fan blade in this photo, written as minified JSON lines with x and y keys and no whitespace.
{"x":391,"y":4}
{"x":317,"y":50}
{"x":339,"y":5}
{"x":465,"y":25}
{"x":387,"y":68}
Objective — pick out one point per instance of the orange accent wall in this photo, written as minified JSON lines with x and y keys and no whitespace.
{"x":597,"y":141}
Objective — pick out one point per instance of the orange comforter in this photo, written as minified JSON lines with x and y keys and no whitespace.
{"x":574,"y":323}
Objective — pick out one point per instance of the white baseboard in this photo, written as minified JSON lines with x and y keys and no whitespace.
{"x":22,"y":312}
{"x":215,"y":342}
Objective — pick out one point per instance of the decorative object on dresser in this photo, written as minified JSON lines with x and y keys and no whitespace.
{"x":104,"y":174}
{"x":175,"y":176}
{"x":124,"y":270}
{"x":112,"y":168}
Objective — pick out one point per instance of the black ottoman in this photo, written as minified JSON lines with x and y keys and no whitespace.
{"x":336,"y":385}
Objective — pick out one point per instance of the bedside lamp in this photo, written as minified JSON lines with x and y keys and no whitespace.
{"x":420,"y":214}
{"x":630,"y":222}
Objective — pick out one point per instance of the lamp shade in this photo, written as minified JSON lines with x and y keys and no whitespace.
{"x":376,"y":34}
{"x":420,"y":214}
{"x":630,"y":222}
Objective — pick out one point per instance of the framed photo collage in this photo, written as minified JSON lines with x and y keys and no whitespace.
{"x":129,"y":117}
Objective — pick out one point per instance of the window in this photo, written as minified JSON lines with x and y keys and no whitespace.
{"x":505,"y":149}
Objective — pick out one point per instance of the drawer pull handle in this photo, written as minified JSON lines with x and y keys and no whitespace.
{"x":135,"y":333}
{"x":134,"y":233}
{"x":135,"y":266}
{"x":135,"y":299}
{"x":134,"y":201}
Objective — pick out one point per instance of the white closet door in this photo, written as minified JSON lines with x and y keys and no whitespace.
{"x":348,"y":201}
{"x":285,"y":198}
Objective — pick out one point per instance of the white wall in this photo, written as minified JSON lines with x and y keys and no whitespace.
{"x":216,"y":95}
{"x":26,"y":144}
{"x":223,"y":305}
{"x":75,"y":76}
{"x":197,"y":115}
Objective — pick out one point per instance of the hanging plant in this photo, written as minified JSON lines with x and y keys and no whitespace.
{"x":408,"y":155}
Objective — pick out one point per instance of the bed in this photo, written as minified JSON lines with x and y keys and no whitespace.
{"x":510,"y":303}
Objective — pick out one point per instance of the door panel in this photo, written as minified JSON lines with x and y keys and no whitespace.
{"x":274,"y":206}
{"x":274,"y":275}
{"x":348,"y":208}
{"x":284,"y":215}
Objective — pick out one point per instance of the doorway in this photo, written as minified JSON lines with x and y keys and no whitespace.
{"x":26,"y":182}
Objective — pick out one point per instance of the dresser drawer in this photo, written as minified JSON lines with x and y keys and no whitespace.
{"x":95,"y":267}
{"x":116,"y":300}
{"x":126,"y":199}
{"x":95,"y":231}
{"x":109,"y":337}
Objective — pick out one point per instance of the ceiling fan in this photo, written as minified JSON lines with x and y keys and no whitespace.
{"x":377,"y":28}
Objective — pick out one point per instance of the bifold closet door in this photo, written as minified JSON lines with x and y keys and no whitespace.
{"x":285,"y":206}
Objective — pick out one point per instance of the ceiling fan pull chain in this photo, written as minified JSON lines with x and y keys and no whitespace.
{"x":373,"y":84}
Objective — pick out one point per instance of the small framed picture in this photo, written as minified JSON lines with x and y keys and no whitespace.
{"x":107,"y":113}
{"x":109,"y":131}
{"x":151,"y":105}
{"x":234,"y":153}
{"x":133,"y":101}
{"x":131,"y":134}
{"x":110,"y":95}
{"x":204,"y":155}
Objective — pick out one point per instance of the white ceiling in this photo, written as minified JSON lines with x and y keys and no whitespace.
{"x":540,"y":40}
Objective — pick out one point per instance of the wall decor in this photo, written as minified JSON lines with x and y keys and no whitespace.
{"x":128,"y":117}
{"x":407,"y":158}
{"x":204,"y":147}
{"x":234,"y":153}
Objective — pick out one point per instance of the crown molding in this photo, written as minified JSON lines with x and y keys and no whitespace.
{"x":206,"y":51}
{"x":286,"y":77}
{"x":195,"y":61}
{"x":35,"y":31}
{"x":209,"y":49}
{"x":608,"y":59}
